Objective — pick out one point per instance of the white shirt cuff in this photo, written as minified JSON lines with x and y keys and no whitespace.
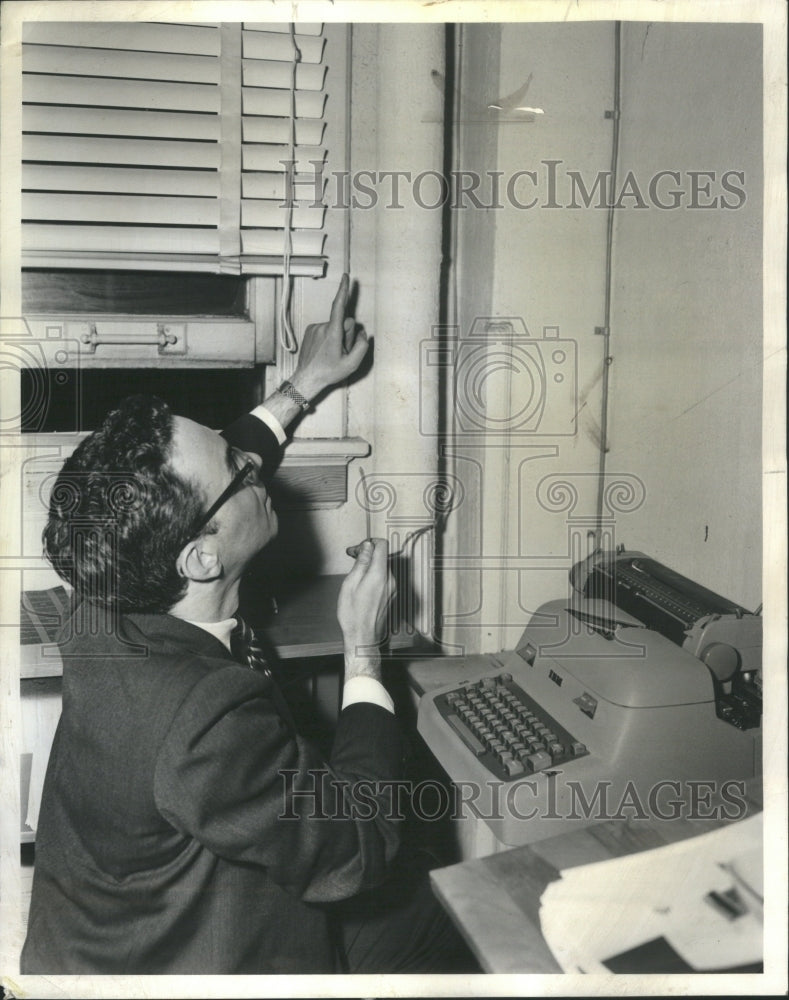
{"x":271,"y":422}
{"x":366,"y":689}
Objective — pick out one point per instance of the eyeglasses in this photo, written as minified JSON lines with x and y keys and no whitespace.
{"x":247,"y":475}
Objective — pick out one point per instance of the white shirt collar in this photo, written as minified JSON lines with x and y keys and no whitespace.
{"x":220,"y":630}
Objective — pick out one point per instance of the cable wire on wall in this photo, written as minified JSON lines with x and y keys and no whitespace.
{"x":606,"y":331}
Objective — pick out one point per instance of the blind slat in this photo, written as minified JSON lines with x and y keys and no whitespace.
{"x":270,"y":215}
{"x":162,"y":95}
{"x":102,"y":121}
{"x":124,"y":152}
{"x":142,"y":35}
{"x":274,"y":158}
{"x":306,"y":187}
{"x":266,"y":73}
{"x":306,"y":242}
{"x":277,"y":130}
{"x":118,"y":63}
{"x":283,"y":27}
{"x":279,"y":46}
{"x":107,"y":239}
{"x":63,"y":177}
{"x":302,"y":265}
{"x":112,"y":260}
{"x":266,"y":101}
{"x":115,"y":208}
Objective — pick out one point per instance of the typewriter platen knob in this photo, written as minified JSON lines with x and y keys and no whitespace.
{"x":722,"y":659}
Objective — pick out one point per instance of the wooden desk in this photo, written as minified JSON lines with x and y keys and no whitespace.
{"x":494,"y":901}
{"x":305,"y":623}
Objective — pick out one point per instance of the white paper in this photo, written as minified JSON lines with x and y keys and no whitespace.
{"x":597,"y":911}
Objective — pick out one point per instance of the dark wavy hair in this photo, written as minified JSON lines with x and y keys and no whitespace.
{"x":119,"y":515}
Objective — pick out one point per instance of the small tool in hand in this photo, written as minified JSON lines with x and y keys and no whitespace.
{"x":367,"y":513}
{"x":353,"y":550}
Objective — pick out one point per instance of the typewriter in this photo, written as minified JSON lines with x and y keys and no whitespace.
{"x":638,"y":695}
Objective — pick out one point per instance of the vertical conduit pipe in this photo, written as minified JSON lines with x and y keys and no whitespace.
{"x":606,"y":332}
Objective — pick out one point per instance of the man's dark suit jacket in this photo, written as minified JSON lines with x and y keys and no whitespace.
{"x":160,"y":846}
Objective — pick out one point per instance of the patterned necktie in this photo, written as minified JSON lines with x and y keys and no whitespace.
{"x":247,"y":649}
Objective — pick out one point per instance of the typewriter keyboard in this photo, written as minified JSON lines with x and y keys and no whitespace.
{"x":505,"y":729}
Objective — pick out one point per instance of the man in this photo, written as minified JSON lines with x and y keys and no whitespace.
{"x":161,"y":846}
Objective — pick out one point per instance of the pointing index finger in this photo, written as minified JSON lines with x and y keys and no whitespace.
{"x":340,"y":302}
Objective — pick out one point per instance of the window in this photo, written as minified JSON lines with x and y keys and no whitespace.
{"x":158,"y":235}
{"x":189,"y":159}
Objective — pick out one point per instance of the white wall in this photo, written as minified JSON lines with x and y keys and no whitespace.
{"x":545,"y":266}
{"x":685,"y":335}
{"x":687,"y":307}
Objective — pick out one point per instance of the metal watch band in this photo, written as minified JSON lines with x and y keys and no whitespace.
{"x":288,"y":389}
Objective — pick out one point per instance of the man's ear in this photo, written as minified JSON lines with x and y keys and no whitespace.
{"x":198,"y":560}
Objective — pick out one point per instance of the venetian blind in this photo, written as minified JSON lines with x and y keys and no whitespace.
{"x":169,"y":146}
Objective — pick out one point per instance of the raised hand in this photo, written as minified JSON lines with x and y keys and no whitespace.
{"x":332,"y":351}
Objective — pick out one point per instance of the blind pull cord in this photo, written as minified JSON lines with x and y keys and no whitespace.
{"x":286,"y":335}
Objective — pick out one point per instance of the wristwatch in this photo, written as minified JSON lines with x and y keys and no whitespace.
{"x":288,"y":389}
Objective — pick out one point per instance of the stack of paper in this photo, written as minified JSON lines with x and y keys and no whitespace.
{"x":691,"y":906}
